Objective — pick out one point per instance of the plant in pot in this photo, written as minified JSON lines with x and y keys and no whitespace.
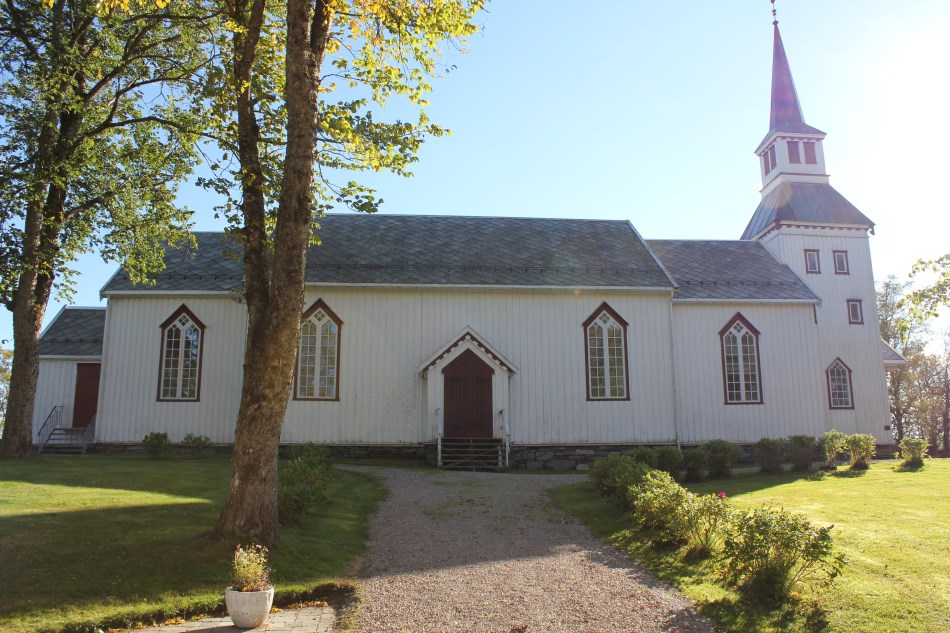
{"x":250,"y":596}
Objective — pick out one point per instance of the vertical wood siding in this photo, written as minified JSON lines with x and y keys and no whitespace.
{"x":55,"y":386}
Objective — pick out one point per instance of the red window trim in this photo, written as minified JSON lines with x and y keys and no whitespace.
{"x":828,"y":385}
{"x":605,"y":307}
{"x":817,"y":260}
{"x":758,"y":359}
{"x":182,"y":309}
{"x":847,"y":264}
{"x":860,"y":310}
{"x":309,"y":312}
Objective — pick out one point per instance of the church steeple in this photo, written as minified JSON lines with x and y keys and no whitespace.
{"x":792,"y":150}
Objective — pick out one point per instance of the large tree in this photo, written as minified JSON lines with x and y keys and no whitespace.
{"x":96,"y":130}
{"x":296,"y":122}
{"x":928,"y":300}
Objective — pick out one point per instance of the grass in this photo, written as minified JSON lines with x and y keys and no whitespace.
{"x":892,"y":525}
{"x":110,"y":538}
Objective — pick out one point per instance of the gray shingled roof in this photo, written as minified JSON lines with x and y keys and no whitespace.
{"x":437,"y":250}
{"x":792,"y":202}
{"x":891,"y":356}
{"x":729,"y":270}
{"x":74,"y":332}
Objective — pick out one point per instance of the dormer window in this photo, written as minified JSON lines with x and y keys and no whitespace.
{"x":811,"y":158}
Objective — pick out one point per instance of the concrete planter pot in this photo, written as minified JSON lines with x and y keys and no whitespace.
{"x":248,"y":609}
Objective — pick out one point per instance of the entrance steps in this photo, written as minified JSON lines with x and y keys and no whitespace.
{"x":66,"y":441}
{"x":473,"y":454}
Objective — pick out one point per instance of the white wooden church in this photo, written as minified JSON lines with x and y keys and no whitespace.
{"x":557,"y":339}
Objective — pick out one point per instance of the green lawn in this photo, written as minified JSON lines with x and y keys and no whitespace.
{"x":893,"y":526}
{"x":107,"y":538}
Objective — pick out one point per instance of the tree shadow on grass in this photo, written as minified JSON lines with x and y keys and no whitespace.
{"x":905,"y":467}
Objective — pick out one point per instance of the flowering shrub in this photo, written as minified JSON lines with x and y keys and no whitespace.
{"x":832,"y":443}
{"x":708,"y":521}
{"x":669,"y":459}
{"x":768,"y":552}
{"x":157,"y":445}
{"x":249,"y":570}
{"x":613,"y":475}
{"x":913,"y":451}
{"x":769,"y":453}
{"x":722,"y":455}
{"x":694,"y":463}
{"x":801,"y":451}
{"x":660,"y":506}
{"x":861,"y":447}
{"x":301,"y":482}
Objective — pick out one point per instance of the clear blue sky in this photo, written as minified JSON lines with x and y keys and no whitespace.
{"x":650,"y":111}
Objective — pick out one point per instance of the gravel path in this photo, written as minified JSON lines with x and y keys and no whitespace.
{"x":485,"y":552}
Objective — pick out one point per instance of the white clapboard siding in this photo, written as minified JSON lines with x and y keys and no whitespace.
{"x":129,"y":407}
{"x":55,"y":386}
{"x":858,"y":345}
{"x":386,"y":335}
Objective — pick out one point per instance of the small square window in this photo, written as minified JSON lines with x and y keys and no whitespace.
{"x":810,"y":157}
{"x":794,"y":155}
{"x":855,"y":314}
{"x":812,"y":262}
{"x":841,"y":263}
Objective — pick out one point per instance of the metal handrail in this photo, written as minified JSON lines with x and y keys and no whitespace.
{"x":506,"y":428}
{"x":53,"y":421}
{"x":438,"y":435}
{"x":89,"y":435}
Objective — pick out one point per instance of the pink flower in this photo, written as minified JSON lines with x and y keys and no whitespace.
{"x":721,"y":495}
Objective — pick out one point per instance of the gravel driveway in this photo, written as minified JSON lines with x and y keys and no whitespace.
{"x":485,"y":552}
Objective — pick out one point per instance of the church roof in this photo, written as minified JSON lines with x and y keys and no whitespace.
{"x":804,"y":202}
{"x":434,"y":251}
{"x":786,"y":112}
{"x":731,"y":270}
{"x":891,"y":356}
{"x":74,"y":332}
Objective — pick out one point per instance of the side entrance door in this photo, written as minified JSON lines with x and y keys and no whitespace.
{"x":86,"y":400}
{"x":468,"y":404}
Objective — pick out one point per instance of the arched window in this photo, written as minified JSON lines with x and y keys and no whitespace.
{"x":605,"y":342}
{"x":182,"y":341}
{"x":741,"y":370}
{"x":318,"y":356}
{"x":839,"y":386}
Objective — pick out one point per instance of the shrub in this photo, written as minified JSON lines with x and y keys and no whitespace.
{"x":768,"y":552}
{"x":769,"y":454}
{"x":301,"y":483}
{"x":196,"y":443}
{"x":659,"y":504}
{"x":832,"y":443}
{"x":249,"y":570}
{"x":157,"y":445}
{"x":669,"y":459}
{"x":722,"y":455}
{"x":708,"y":521}
{"x":801,"y":452}
{"x":614,"y":474}
{"x":694,"y":463}
{"x":913,"y":451}
{"x":645,"y":455}
{"x":861,"y":447}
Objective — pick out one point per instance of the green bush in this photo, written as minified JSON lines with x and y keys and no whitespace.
{"x":694,"y":463}
{"x":913,"y":451}
{"x":196,"y":443}
{"x":659,"y":506}
{"x":768,"y":552}
{"x":832,"y":443}
{"x":614,"y":474}
{"x":861,"y":447}
{"x":801,"y":452}
{"x":769,"y":453}
{"x":301,"y":483}
{"x":157,"y":445}
{"x":722,"y":455}
{"x":669,"y":459}
{"x":708,"y":521}
{"x":644,"y":455}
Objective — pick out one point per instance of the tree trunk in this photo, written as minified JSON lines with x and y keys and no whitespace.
{"x":275,"y":309}
{"x":946,"y":409}
{"x":18,"y":427}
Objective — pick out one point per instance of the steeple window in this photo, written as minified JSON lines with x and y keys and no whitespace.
{"x":811,"y":158}
{"x":768,"y":160}
{"x":812,"y":262}
{"x":794,"y":155}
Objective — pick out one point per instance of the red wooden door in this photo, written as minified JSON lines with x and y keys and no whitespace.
{"x":468,"y":406}
{"x":86,"y":400}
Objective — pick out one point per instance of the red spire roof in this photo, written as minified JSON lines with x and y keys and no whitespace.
{"x":786,"y":112}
